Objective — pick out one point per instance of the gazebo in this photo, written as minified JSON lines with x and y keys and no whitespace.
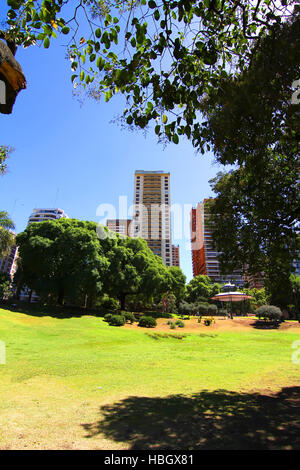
{"x":231,"y":295}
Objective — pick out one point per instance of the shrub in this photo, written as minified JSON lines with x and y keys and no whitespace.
{"x":107,"y":317}
{"x":158,"y":314}
{"x":147,"y":322}
{"x":117,"y":320}
{"x":211,"y":309}
{"x":109,"y":303}
{"x":172,"y":326}
{"x":185,"y":308}
{"x":269,"y":312}
{"x":202,"y":308}
{"x":180,"y":324}
{"x":222,"y":311}
{"x":208,"y":321}
{"x":129,"y":317}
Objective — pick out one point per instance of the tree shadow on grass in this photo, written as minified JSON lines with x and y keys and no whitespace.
{"x":38,"y":310}
{"x":208,"y":420}
{"x":266,"y":325}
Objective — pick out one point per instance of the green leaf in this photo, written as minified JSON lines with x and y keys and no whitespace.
{"x":152,"y":4}
{"x":65,"y":30}
{"x":46,"y":43}
{"x":175,"y":139}
{"x":156,"y":15}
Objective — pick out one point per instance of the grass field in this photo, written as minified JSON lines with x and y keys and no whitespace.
{"x":78,"y":383}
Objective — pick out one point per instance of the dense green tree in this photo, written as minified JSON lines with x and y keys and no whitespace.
{"x":176,"y":282}
{"x":253,"y":222}
{"x":260,"y":297}
{"x":5,"y":283}
{"x":259,"y":109}
{"x":62,"y":258}
{"x":200,"y":288}
{"x":6,"y":237}
{"x":168,"y":303}
{"x":253,"y":122}
{"x":134,"y":269}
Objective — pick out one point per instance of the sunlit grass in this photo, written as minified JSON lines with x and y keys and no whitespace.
{"x":59,"y":371}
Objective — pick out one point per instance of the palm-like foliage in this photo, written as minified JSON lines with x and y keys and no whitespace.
{"x":6,"y":237}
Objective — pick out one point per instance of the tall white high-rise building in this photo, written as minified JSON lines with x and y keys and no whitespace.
{"x":152,"y":218}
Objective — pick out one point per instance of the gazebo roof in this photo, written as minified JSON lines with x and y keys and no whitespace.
{"x":231,"y":297}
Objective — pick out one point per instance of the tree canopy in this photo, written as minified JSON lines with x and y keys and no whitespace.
{"x":62,"y":259}
{"x":221,"y":73}
{"x":66,"y":260}
{"x":254,"y":221}
{"x":134,"y":269}
{"x":6,"y":237}
{"x":201,"y":289}
{"x":163,"y":56}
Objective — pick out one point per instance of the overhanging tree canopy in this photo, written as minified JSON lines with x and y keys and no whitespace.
{"x":163,"y":56}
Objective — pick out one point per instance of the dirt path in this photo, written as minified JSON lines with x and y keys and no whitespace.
{"x":237,"y":324}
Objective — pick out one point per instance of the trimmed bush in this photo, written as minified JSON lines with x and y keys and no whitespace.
{"x":269,"y":312}
{"x":147,"y":322}
{"x":222,"y":311}
{"x":211,"y":309}
{"x":158,"y":314}
{"x":107,"y":317}
{"x":117,"y":320}
{"x":129,"y":317}
{"x":180,"y":324}
{"x":109,"y":304}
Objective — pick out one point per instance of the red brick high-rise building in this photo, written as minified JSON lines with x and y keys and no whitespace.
{"x":175,"y":256}
{"x":204,"y":256}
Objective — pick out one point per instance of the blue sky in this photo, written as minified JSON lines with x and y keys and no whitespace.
{"x":70,"y":156}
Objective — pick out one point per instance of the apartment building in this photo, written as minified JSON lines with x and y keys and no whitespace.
{"x":204,"y":256}
{"x":39,"y":215}
{"x":152,"y":218}
{"x":121,"y":226}
{"x":175,"y":256}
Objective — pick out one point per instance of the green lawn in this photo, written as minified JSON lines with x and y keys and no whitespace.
{"x":79,"y":383}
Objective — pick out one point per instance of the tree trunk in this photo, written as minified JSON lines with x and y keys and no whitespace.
{"x":61,"y":295}
{"x":122,"y":301}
